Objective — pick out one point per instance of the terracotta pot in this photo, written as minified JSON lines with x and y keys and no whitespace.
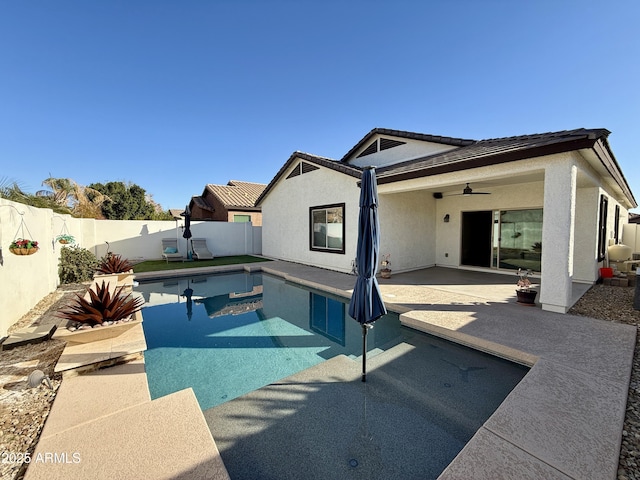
{"x":64,"y":242}
{"x":526,"y":298}
{"x":23,"y":251}
{"x":385,"y":273}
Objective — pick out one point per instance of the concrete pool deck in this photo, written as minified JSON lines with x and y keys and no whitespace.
{"x":563,"y":420}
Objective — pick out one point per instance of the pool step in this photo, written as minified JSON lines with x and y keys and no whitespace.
{"x":103,"y":426}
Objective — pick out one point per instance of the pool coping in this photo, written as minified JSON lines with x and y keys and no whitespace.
{"x":564,"y":420}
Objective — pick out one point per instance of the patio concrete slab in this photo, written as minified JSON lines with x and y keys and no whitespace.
{"x":84,"y":398}
{"x":163,"y":439}
{"x":592,"y":346}
{"x":566,"y":418}
{"x":489,"y":457}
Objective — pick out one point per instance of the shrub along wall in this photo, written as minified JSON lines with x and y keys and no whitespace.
{"x":27,"y":279}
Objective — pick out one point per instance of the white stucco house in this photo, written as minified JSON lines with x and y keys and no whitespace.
{"x":549,"y":202}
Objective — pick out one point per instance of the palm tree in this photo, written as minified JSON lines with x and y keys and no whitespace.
{"x":84,"y":201}
{"x":11,"y":190}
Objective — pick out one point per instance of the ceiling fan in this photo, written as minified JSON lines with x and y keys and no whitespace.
{"x":466,"y":191}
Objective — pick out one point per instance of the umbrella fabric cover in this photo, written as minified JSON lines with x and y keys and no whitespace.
{"x":366,"y":303}
{"x":187,"y":222}
{"x":187,"y":228}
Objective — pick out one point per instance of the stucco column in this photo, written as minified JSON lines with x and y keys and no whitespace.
{"x":558,"y":227}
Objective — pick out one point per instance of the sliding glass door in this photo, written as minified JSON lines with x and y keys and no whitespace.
{"x":504,"y":239}
{"x":520,"y":241}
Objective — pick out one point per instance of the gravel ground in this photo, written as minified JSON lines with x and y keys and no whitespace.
{"x":24,"y":410}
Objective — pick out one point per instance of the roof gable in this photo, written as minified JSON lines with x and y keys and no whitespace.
{"x":381,"y":139}
{"x":313,"y":160}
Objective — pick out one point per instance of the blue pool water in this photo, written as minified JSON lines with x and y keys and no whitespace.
{"x":243,"y":331}
{"x":227,"y":335}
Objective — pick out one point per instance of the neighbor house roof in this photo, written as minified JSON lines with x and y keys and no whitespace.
{"x":199,"y":201}
{"x":316,"y":160}
{"x":175,"y":213}
{"x":237,"y":193}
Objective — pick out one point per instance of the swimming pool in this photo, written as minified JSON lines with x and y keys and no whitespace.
{"x":233,"y":338}
{"x":233,"y":333}
{"x":228,"y":334}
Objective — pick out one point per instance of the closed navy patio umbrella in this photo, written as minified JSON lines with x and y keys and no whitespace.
{"x":366,"y":304}
{"x":187,"y":227}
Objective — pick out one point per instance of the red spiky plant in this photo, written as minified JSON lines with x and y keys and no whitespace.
{"x":114,"y":263}
{"x":102,"y":306}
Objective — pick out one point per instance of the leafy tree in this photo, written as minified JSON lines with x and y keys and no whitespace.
{"x":127,"y":202}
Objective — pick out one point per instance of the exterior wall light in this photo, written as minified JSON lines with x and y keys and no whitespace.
{"x":446,"y":218}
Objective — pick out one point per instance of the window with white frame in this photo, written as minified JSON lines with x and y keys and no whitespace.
{"x":326,"y":228}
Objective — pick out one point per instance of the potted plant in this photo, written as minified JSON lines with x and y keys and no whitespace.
{"x":65,"y":239}
{"x":114,"y":263}
{"x":385,"y":272}
{"x":526,"y":295}
{"x":114,"y":266}
{"x":23,"y":246}
{"x":101,"y":307}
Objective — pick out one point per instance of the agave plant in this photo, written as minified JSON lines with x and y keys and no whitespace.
{"x":114,"y":263}
{"x":102,"y":306}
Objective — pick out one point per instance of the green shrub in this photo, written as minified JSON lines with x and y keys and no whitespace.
{"x":76,"y":265}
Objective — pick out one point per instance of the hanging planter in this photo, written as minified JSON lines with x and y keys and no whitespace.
{"x":65,"y":239}
{"x":22,"y":246}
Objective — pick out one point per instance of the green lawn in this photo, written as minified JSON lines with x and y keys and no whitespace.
{"x":157,"y":265}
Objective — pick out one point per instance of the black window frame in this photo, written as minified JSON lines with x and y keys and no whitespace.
{"x":327,"y":249}
{"x":616,"y":224}
{"x":602,"y":227}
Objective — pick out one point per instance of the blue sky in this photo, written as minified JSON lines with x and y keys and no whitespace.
{"x":172,"y":95}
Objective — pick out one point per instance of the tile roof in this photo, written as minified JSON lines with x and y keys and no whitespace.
{"x":492,"y":151}
{"x":237,"y":193}
{"x":473,"y":154}
{"x":175,"y":212}
{"x":199,"y":201}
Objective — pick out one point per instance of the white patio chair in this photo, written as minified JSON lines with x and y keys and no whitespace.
{"x":200,"y":250}
{"x":170,"y":250}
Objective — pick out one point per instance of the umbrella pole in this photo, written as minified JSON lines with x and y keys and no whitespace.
{"x":365,"y":327}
